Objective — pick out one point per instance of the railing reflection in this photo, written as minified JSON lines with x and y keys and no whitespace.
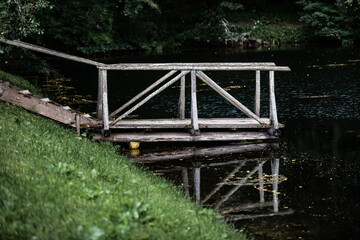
{"x":239,"y":171}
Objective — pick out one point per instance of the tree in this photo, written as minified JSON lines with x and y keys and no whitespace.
{"x":332,"y":19}
{"x":19,"y":18}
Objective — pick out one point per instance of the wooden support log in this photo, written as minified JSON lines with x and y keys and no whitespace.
{"x":50,"y":52}
{"x":78,"y":124}
{"x":228,"y":97}
{"x":196,"y":177}
{"x":182,"y":98}
{"x":185,"y":177}
{"x":105,"y":115}
{"x":99,"y":106}
{"x":173,"y":80}
{"x":257,"y":94}
{"x":148,"y":89}
{"x":273,"y":112}
{"x":194,"y":111}
{"x":261,"y":183}
{"x":275,"y":176}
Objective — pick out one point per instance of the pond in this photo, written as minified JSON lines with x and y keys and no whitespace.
{"x":304,"y":187}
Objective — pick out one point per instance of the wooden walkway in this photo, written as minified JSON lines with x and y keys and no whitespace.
{"x":115,"y":127}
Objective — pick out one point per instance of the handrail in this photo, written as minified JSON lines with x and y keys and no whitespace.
{"x":196,"y":66}
{"x":50,"y":52}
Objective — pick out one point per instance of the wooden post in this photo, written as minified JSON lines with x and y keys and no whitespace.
{"x":100,"y":96}
{"x":275,"y":176}
{"x":261,"y":183}
{"x":78,"y":124}
{"x":105,"y":110}
{"x":194,"y":110}
{"x":257,"y":94}
{"x":196,"y":176}
{"x":182,"y":98}
{"x":186,"y":181}
{"x":273,"y":111}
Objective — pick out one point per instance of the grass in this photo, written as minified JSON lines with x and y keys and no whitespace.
{"x":56,"y":185}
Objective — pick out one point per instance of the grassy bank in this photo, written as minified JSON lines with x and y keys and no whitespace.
{"x":56,"y":185}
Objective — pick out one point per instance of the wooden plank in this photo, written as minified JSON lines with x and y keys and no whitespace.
{"x":182,"y":98}
{"x":184,"y":137}
{"x":148,"y":89}
{"x":46,"y":108}
{"x":237,"y":123}
{"x":50,"y":52}
{"x":196,"y":66}
{"x":257,"y":94}
{"x":210,"y":151}
{"x":194,"y":111}
{"x":228,"y":97}
{"x":173,"y":80}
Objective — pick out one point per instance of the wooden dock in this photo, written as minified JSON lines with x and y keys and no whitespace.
{"x":115,"y":127}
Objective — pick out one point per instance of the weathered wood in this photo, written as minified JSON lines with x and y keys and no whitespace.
{"x":194,"y":66}
{"x":274,"y":117}
{"x":185,"y":177}
{"x":244,"y":217}
{"x":228,"y":97}
{"x":257,"y":94}
{"x":221,"y":184}
{"x":233,"y":190}
{"x":237,"y":123}
{"x":261,"y":183}
{"x":78,"y":123}
{"x":173,"y":80}
{"x":246,"y":206}
{"x":50,"y":52}
{"x":210,"y":151}
{"x":196,"y":177}
{"x":99,"y":106}
{"x":48,"y":109}
{"x":105,"y":101}
{"x":275,"y":184}
{"x":184,"y":137}
{"x":148,"y":89}
{"x":182,"y":98}
{"x":194,"y":111}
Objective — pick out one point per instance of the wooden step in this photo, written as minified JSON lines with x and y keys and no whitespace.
{"x":184,"y":137}
{"x":186,"y":123}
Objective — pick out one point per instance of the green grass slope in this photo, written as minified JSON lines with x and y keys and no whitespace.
{"x":56,"y":185}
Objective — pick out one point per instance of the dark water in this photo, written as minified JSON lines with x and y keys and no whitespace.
{"x":310,"y":181}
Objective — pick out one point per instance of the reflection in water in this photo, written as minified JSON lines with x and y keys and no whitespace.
{"x":229,"y":179}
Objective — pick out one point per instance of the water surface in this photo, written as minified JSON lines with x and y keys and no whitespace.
{"x":310,"y":180}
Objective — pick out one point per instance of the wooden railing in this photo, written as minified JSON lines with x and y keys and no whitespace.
{"x":196,"y":71}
